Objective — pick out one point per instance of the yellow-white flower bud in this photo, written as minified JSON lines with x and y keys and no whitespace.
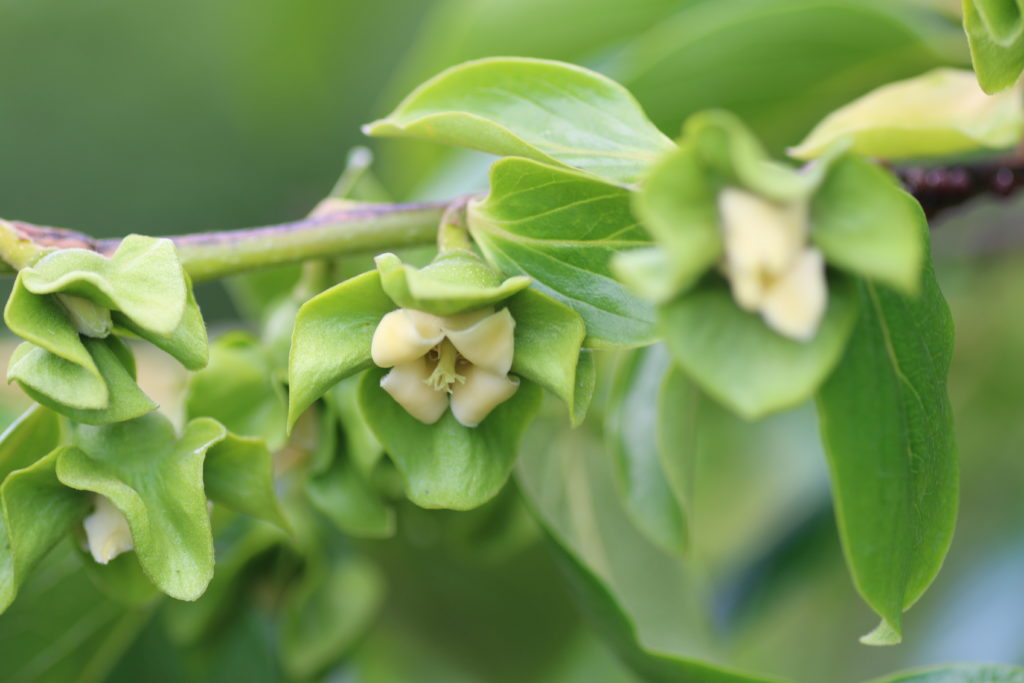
{"x":106,"y":531}
{"x":465,"y":356}
{"x":770,"y":268}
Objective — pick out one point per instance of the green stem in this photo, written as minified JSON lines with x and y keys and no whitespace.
{"x":209,"y":255}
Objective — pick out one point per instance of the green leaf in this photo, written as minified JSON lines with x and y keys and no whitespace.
{"x":735,"y":358}
{"x":187,"y":343}
{"x":359,"y":441}
{"x":239,"y":472}
{"x":238,"y":390}
{"x":156,"y":480}
{"x":143,"y":279}
{"x":866,"y":224}
{"x":677,"y":205}
{"x":34,"y":434}
{"x":446,"y":465}
{"x":650,"y":429}
{"x":51,"y":380}
{"x":347,"y":497}
{"x":940,"y":113}
{"x":642,"y":600}
{"x":548,"y":111}
{"x":455,"y":282}
{"x":42,"y":320}
{"x":887,"y":428}
{"x":562,"y":228}
{"x":326,"y":615}
{"x":332,"y":337}
{"x":958,"y":673}
{"x":37,"y":512}
{"x":548,"y":335}
{"x":995,"y":32}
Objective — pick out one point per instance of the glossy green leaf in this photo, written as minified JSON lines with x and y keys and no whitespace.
{"x":642,"y":600}
{"x":677,"y":205}
{"x":332,"y":337}
{"x":454,"y":282}
{"x":36,"y":512}
{"x":735,"y":358}
{"x":887,"y":428}
{"x":650,"y":429}
{"x":547,"y":111}
{"x":239,"y":390}
{"x":187,"y":343}
{"x":866,"y":224}
{"x":326,"y":615}
{"x":562,"y":228}
{"x":143,"y":279}
{"x":958,"y":673}
{"x":995,"y":32}
{"x":156,"y":480}
{"x":446,"y":465}
{"x":42,"y":320}
{"x":30,"y":437}
{"x":239,"y":472}
{"x":548,"y":336}
{"x":940,"y":113}
{"x":51,"y":381}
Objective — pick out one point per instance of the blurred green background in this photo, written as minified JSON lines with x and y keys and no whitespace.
{"x":168,"y":117}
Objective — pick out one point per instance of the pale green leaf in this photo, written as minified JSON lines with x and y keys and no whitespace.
{"x":36,"y":512}
{"x":327,"y":613}
{"x":677,"y":205}
{"x":646,"y":437}
{"x":332,"y":337}
{"x":995,"y":32}
{"x":562,"y":228}
{"x":34,"y":434}
{"x":455,"y":282}
{"x":738,"y":360}
{"x":447,"y":465}
{"x":958,"y":673}
{"x":49,"y":380}
{"x":548,"y":335}
{"x":940,"y":113}
{"x":548,"y":111}
{"x":887,"y":428}
{"x":239,"y":390}
{"x":142,"y":279}
{"x":866,"y":224}
{"x":156,"y":480}
{"x":347,"y":497}
{"x":239,"y":472}
{"x":42,"y":320}
{"x":187,"y":343}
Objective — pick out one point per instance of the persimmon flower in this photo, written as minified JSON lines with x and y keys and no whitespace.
{"x":769,"y":265}
{"x":106,"y":531}
{"x":459,"y":360}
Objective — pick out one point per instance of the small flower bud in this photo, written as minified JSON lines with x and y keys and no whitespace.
{"x":106,"y":531}
{"x":89,"y":318}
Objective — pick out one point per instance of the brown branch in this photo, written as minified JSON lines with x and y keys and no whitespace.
{"x":944,"y":187}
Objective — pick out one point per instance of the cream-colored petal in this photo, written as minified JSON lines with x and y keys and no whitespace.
{"x":747,"y":288}
{"x":407,"y":384}
{"x":489,"y":343}
{"x":796,"y":302}
{"x":482,"y":392}
{"x":106,"y":531}
{"x":761,"y":235}
{"x":404,"y":335}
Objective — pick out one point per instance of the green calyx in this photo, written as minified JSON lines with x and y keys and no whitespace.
{"x":69,"y":304}
{"x":454,"y":282}
{"x":747,"y":247}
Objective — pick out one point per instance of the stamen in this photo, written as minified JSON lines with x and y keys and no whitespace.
{"x":444,"y":375}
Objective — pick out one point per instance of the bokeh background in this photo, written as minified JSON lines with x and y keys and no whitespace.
{"x":121,"y":116}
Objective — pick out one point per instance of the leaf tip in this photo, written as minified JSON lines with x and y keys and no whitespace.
{"x":883,"y":634}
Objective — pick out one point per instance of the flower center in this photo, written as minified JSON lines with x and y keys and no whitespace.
{"x":444,"y":374}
